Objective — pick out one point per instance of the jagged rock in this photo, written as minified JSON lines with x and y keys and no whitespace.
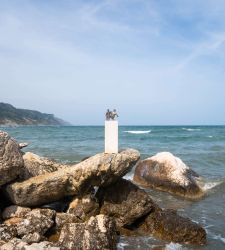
{"x":35,"y":165}
{"x":32,"y":238}
{"x":38,"y":220}
{"x":15,"y":211}
{"x":168,"y":173}
{"x":98,"y":233}
{"x":84,"y":207}
{"x":13,"y":221}
{"x":7,"y":232}
{"x":44,"y":245}
{"x":11,"y":161}
{"x":63,"y":218}
{"x":125,"y":202}
{"x":23,"y":145}
{"x":169,"y":226}
{"x":99,"y":170}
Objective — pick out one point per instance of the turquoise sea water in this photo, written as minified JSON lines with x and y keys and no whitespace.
{"x":200,"y":147}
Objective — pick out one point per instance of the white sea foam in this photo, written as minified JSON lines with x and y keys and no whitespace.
{"x":210,"y":185}
{"x":174,"y":246}
{"x":210,"y":136}
{"x":219,"y":237}
{"x":138,"y":131}
{"x":120,"y":245}
{"x":192,"y":129}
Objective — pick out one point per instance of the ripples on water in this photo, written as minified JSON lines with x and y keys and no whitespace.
{"x":200,"y":147}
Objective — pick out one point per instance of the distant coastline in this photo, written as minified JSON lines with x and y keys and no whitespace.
{"x":12,"y":116}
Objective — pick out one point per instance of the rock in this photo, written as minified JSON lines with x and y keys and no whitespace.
{"x":18,"y":244}
{"x":13,"y":221}
{"x":169,"y":226}
{"x":36,"y":221}
{"x":85,"y":207}
{"x":63,"y":218}
{"x":15,"y":211}
{"x":7,"y":232}
{"x":14,"y":244}
{"x":98,"y":233}
{"x":35,"y":165}
{"x":32,"y":238}
{"x":125,"y":202}
{"x":168,"y":173}
{"x":99,"y":170}
{"x":23,"y":145}
{"x":11,"y":160}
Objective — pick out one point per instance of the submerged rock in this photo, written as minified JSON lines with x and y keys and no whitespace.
{"x":169,"y":226}
{"x":98,"y":233}
{"x":35,"y":165}
{"x":125,"y":202}
{"x":99,"y":170}
{"x":85,"y":207}
{"x":168,"y":173}
{"x":11,"y":160}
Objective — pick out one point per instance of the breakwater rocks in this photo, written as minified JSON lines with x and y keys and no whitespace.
{"x":87,"y":206}
{"x":166,"y":172}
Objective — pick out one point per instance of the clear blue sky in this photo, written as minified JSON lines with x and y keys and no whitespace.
{"x":156,"y":61}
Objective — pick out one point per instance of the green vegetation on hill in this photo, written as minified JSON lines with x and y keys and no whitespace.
{"x":10,"y":115}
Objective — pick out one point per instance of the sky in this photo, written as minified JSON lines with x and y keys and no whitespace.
{"x":158,"y":62}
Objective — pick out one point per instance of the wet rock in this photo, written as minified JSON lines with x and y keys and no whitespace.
{"x":98,"y":233}
{"x":168,"y":173}
{"x":7,"y":232}
{"x":36,"y":221}
{"x":125,"y":202}
{"x":169,"y":226}
{"x":63,"y":218}
{"x":15,"y":211}
{"x":85,"y":207}
{"x":35,"y":165}
{"x":11,"y":160}
{"x":99,"y":170}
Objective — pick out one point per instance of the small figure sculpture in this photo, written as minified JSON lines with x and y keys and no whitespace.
{"x":111,"y":115}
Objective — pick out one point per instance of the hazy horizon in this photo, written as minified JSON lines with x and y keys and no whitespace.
{"x":157,"y":63}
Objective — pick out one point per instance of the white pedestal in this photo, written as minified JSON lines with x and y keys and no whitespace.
{"x":111,"y":136}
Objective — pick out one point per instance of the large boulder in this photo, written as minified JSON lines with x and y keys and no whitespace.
{"x":169,"y":226}
{"x":99,"y":170}
{"x":35,"y":165}
{"x":168,"y":173}
{"x":125,"y":202}
{"x":97,"y":233}
{"x":11,"y":160}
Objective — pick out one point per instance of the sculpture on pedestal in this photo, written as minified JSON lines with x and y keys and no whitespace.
{"x":111,"y":115}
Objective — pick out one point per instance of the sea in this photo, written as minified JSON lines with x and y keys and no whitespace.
{"x":200,"y":147}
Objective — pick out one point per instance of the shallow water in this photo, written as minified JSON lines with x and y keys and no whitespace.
{"x":200,"y":147}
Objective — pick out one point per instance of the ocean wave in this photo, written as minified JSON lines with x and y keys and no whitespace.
{"x":174,"y":246}
{"x":219,"y":237}
{"x":210,"y":185}
{"x":138,"y":131}
{"x":192,"y":129}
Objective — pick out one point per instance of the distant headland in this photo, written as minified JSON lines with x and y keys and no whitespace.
{"x":11,"y":116}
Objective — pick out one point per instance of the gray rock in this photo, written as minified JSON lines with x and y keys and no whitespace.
{"x":166,"y":172}
{"x":32,"y":238}
{"x":15,"y":211}
{"x":14,"y":244}
{"x":36,"y":221}
{"x":125,"y":202}
{"x":99,"y":170}
{"x":11,"y":160}
{"x":23,"y":145}
{"x":96,"y":234}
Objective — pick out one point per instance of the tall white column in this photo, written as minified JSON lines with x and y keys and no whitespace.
{"x":111,"y":136}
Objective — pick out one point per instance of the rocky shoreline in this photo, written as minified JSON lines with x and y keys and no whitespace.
{"x":47,"y":205}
